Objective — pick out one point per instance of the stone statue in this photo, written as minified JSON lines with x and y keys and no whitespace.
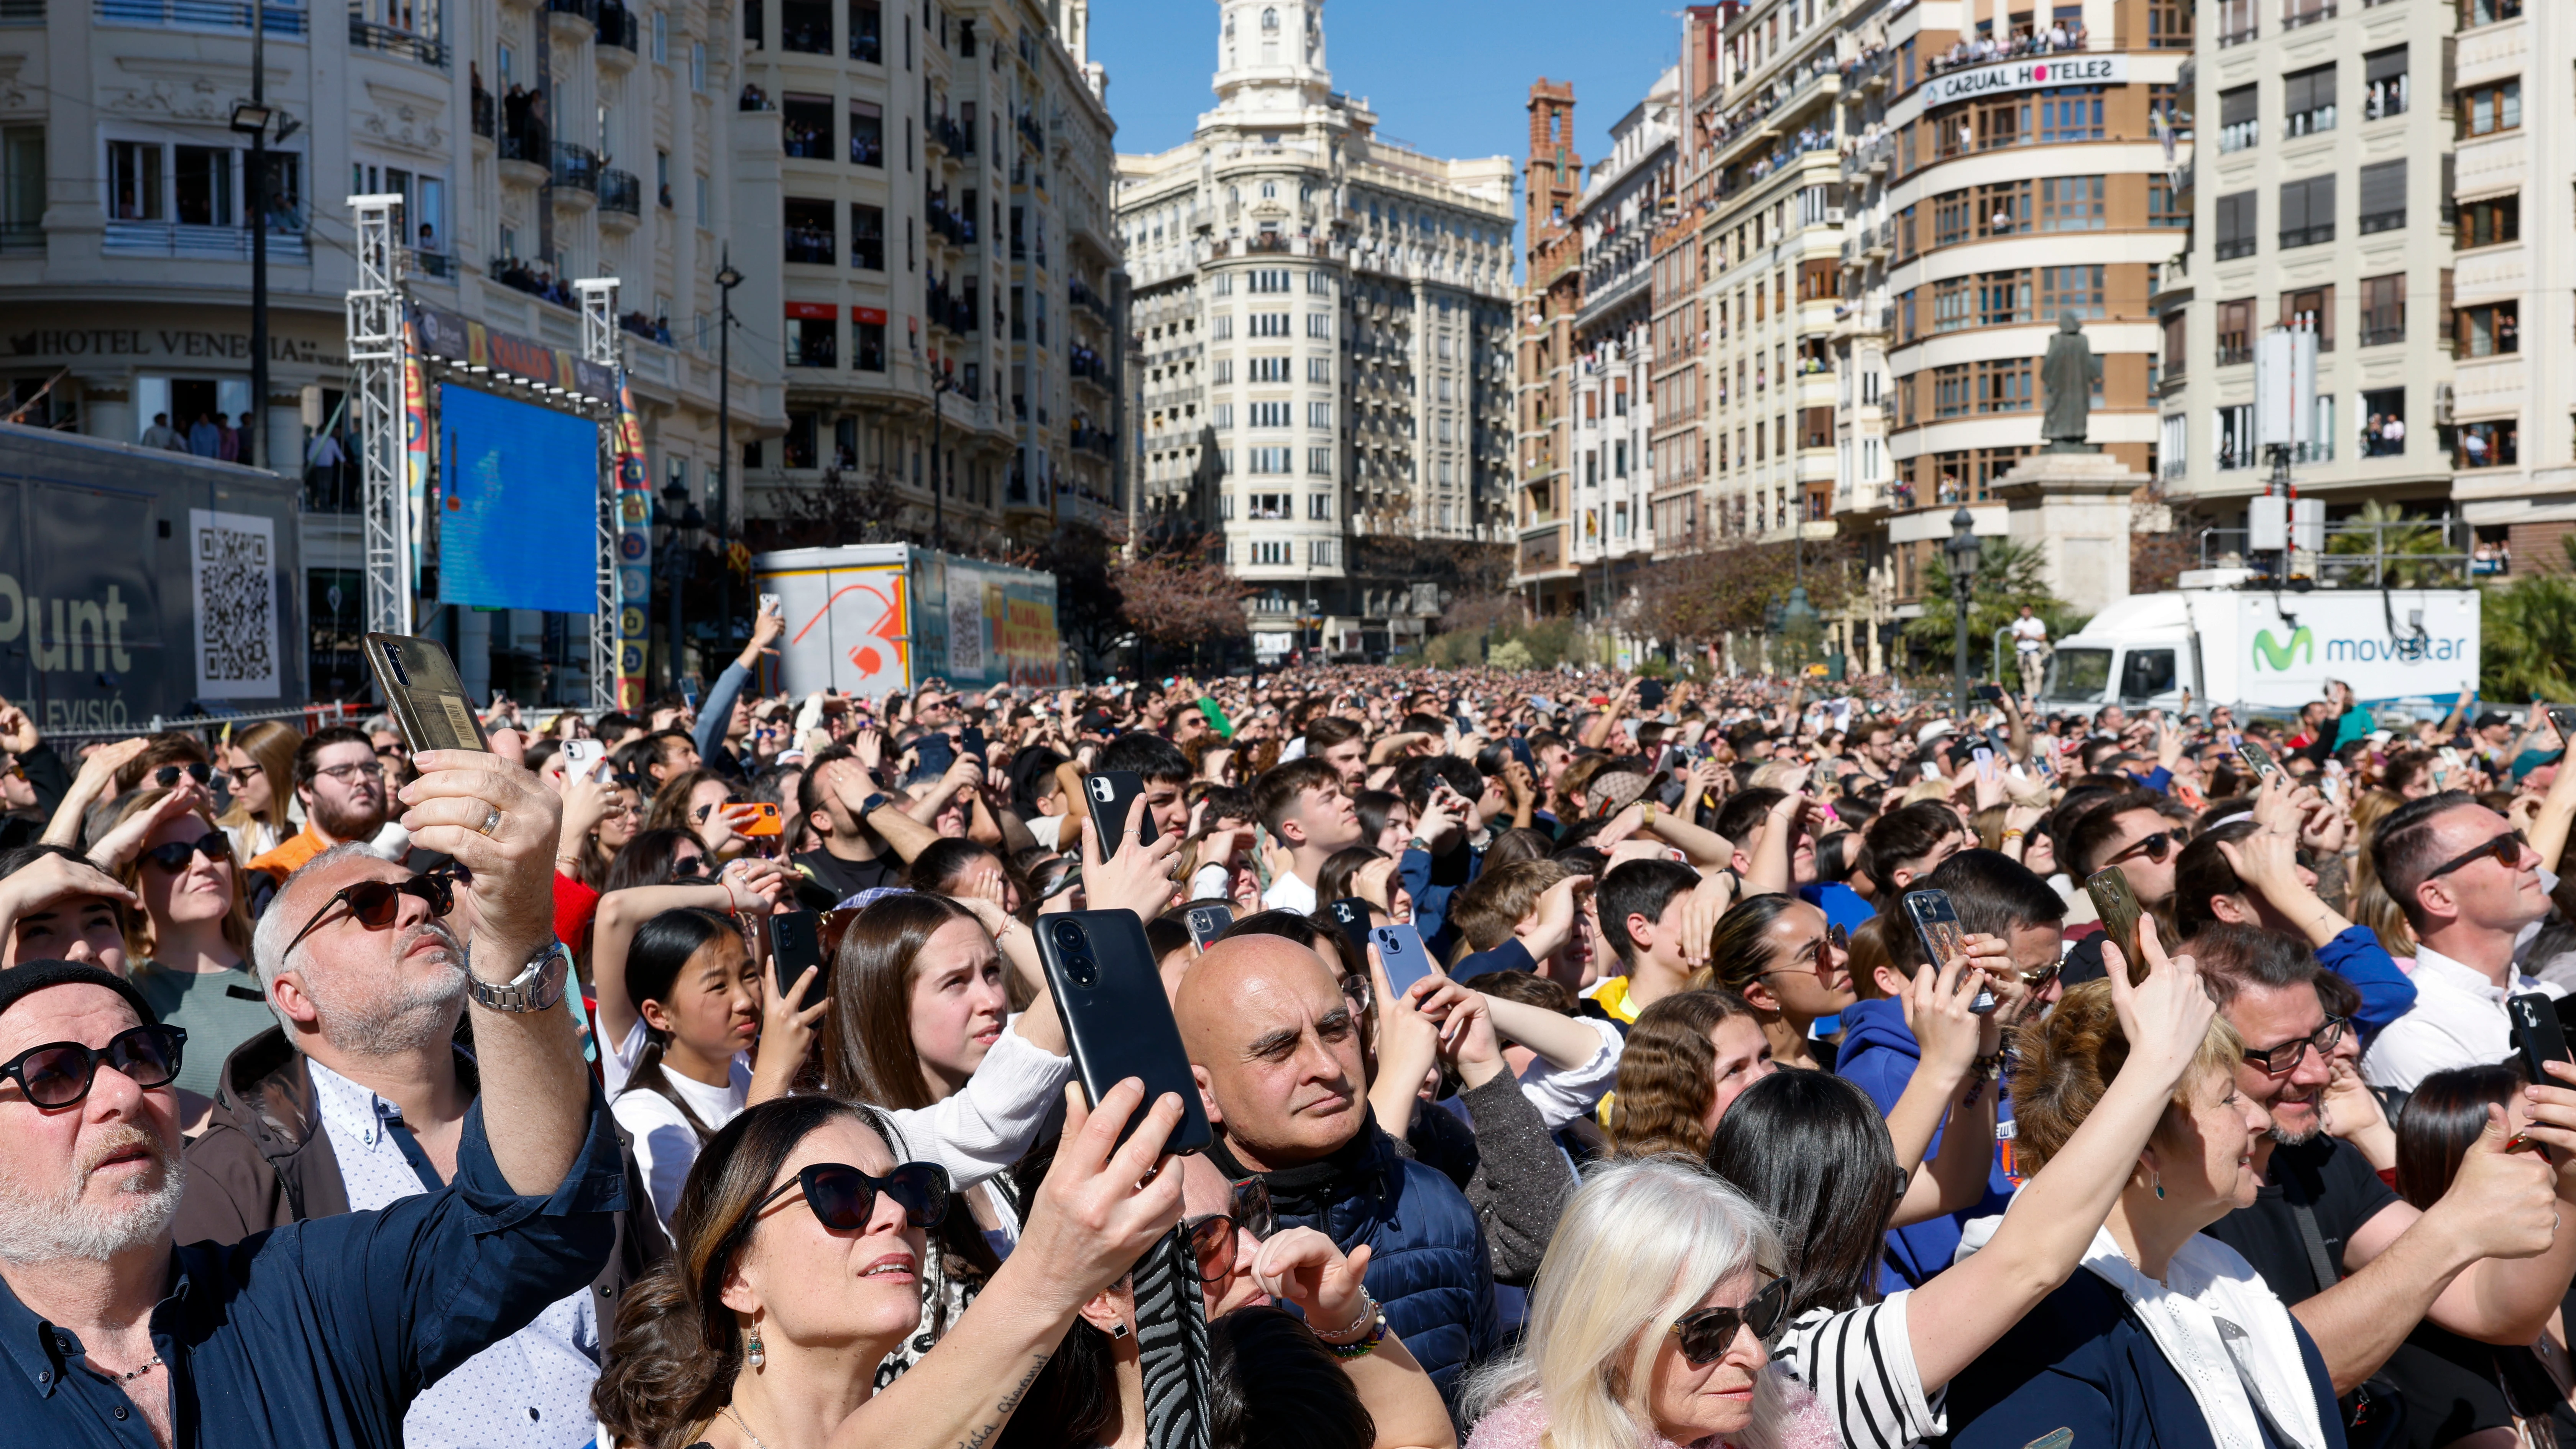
{"x":2066,"y":388}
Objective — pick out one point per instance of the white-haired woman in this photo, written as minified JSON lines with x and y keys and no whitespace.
{"x":1648,"y":1326}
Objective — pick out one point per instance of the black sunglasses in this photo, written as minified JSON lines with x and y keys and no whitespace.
{"x":1215,"y":1238}
{"x":2154,"y":847}
{"x":377,"y":903}
{"x":168,"y":775}
{"x":844,"y":1198}
{"x":59,"y":1074}
{"x":2282,"y":1060}
{"x":1707,"y":1334}
{"x":173,"y":857}
{"x":2506,"y":848}
{"x":695,"y":865}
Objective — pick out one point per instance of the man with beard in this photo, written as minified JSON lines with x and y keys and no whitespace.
{"x":341,"y":784}
{"x":2357,"y":1265}
{"x":358,"y":1099}
{"x":322,"y":1332}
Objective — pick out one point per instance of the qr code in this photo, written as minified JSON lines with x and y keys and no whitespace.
{"x":236,"y":603}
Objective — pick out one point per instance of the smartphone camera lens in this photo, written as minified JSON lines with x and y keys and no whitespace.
{"x":1068,"y":936}
{"x":393,"y":661}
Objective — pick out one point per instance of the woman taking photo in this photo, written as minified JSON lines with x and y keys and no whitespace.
{"x":191,"y":940}
{"x":595,"y":849}
{"x":1777,"y":953}
{"x":259,"y":772}
{"x":697,"y":992}
{"x":1647,"y":1326}
{"x":801,"y":1238}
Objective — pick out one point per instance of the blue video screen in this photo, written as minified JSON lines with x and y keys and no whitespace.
{"x":518,"y":519}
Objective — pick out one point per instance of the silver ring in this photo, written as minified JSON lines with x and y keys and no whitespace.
{"x":491,"y":821}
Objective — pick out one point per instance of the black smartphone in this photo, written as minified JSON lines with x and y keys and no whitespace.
{"x":936,"y":753}
{"x":1521,"y":752}
{"x":796,"y":942}
{"x":424,"y":693}
{"x":1401,"y":952}
{"x":1352,"y":915}
{"x":1936,"y":925}
{"x":2537,"y":1033}
{"x":1651,"y":694}
{"x":971,"y":740}
{"x":1206,"y":923}
{"x":2565,"y":718}
{"x":2117,"y":904}
{"x":1117,"y":1021}
{"x":1992,"y":693}
{"x":1110,"y":793}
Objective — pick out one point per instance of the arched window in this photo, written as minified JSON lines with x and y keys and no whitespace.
{"x":1269,"y":190}
{"x":1270,"y":22}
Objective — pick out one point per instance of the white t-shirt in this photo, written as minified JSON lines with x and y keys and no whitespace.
{"x":2029,"y":634}
{"x":1288,"y":893}
{"x":1048,"y":830}
{"x":1860,"y":1365}
{"x":665,"y":1144}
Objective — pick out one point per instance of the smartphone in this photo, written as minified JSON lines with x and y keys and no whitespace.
{"x":971,"y":740}
{"x":1401,"y":952}
{"x":1206,"y":923}
{"x":1521,"y":751}
{"x":424,"y":694}
{"x":689,"y":694}
{"x":583,"y":758}
{"x":1936,"y":924}
{"x":2118,"y":907}
{"x":796,"y":942}
{"x":1117,"y":1021}
{"x":1651,"y":694}
{"x":1993,"y":693}
{"x":765,"y":820}
{"x":2258,"y":759}
{"x":2565,"y":718}
{"x":772,"y":604}
{"x":1982,"y":755}
{"x":1352,"y":915}
{"x":1110,"y":793}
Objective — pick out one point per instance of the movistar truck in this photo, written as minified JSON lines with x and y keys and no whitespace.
{"x":2270,"y":650}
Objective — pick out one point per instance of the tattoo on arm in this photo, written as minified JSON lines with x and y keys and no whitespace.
{"x":1010,"y":1400}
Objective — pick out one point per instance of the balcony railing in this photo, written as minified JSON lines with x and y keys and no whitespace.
{"x":487,"y":114}
{"x":385,"y":39}
{"x":277,"y":20}
{"x":616,"y":26}
{"x":620,"y":191}
{"x":576,"y":167}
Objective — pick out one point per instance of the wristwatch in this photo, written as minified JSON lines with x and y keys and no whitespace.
{"x":537,"y":987}
{"x":874,"y":803}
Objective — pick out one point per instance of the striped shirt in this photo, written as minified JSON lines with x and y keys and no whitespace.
{"x":1860,"y":1365}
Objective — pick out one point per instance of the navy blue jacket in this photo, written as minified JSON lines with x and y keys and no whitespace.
{"x":1879,"y":1055}
{"x":2081,"y":1362}
{"x":322,"y":1332}
{"x":1427,"y":1261}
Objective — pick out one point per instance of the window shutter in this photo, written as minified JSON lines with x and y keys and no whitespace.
{"x":2383,"y":195}
{"x":2385,"y":64}
{"x":2236,"y":106}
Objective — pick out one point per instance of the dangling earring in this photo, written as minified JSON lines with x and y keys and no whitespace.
{"x":2160,"y":1183}
{"x":755,"y":1356}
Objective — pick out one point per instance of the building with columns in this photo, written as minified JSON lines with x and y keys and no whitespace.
{"x":1321,"y":327}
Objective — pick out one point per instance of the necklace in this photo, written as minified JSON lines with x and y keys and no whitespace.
{"x":745,"y":1428}
{"x":154,"y":1362}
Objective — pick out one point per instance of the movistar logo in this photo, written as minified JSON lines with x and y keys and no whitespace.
{"x":2280,"y":655}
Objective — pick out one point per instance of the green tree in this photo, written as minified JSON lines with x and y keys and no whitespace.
{"x":2008,"y":576}
{"x":2403,"y":540}
{"x":2526,"y":627}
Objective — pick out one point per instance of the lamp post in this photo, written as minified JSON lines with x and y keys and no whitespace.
{"x":682,"y":520}
{"x":940,"y":387}
{"x":726,"y":280}
{"x":1962,"y":548}
{"x":251,"y":119}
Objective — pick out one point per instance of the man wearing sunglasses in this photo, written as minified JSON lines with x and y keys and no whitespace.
{"x":2469,"y":885}
{"x":358,"y":1101}
{"x":319,"y":1332}
{"x":341,"y":784}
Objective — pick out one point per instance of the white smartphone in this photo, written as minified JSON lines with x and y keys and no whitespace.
{"x":584,"y":759}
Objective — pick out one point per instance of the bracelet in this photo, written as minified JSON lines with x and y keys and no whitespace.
{"x":1368,"y":1310}
{"x":1361,"y":1347}
{"x":2015,"y":834}
{"x":1985,"y":1069}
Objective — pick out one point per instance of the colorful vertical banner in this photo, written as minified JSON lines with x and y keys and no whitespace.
{"x":634,"y":554}
{"x":415,"y":406}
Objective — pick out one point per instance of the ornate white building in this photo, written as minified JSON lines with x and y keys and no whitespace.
{"x":1321,"y":335}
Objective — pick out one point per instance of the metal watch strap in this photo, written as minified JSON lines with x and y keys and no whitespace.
{"x":538,"y":986}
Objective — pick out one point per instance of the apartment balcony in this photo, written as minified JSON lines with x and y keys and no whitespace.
{"x":365,"y":34}
{"x":576,"y":170}
{"x":217,"y":243}
{"x":620,"y":195}
{"x":283,"y":21}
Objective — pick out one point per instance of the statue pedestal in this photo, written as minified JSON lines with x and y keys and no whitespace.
{"x":2074,"y":509}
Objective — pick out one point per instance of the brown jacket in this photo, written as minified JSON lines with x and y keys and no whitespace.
{"x":264,"y":1161}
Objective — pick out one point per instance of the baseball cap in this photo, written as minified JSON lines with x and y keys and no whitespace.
{"x":2523,"y":765}
{"x":2491,"y":718}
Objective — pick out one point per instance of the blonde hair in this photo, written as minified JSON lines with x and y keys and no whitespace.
{"x":2069,"y":1058}
{"x":271,"y":746}
{"x":1641,"y":1243}
{"x":141,"y":939}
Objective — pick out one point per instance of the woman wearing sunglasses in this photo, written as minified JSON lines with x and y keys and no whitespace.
{"x":801,"y":1239}
{"x":259,"y":773}
{"x":1649,"y":1325}
{"x":1778,"y":953}
{"x":192,"y":936}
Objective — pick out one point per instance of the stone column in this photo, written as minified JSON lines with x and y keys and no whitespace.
{"x":2074,"y":509}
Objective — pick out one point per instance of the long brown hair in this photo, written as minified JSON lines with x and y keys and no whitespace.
{"x":271,"y":746}
{"x":676,"y":1349}
{"x":670,"y":807}
{"x":1668,"y":1073}
{"x":141,"y":940}
{"x":867,"y":1048}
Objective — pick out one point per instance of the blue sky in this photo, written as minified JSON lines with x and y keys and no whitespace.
{"x":1448,"y":76}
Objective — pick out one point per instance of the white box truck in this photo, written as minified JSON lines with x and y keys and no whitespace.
{"x":2270,"y":651}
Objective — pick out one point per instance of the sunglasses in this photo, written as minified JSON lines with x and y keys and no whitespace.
{"x":213,"y":845}
{"x":1811,"y":956}
{"x":2154,"y":847}
{"x":168,"y":775}
{"x":1707,"y":1334}
{"x":690,"y":868}
{"x":2506,"y":848}
{"x":241,"y":777}
{"x":2282,"y":1060}
{"x":1216,"y":1238}
{"x":59,"y":1074}
{"x":375,"y":904}
{"x":844,"y":1199}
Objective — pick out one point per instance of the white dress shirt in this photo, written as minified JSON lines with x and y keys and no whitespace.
{"x":2458,"y":1021}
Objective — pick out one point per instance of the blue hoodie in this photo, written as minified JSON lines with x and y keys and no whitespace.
{"x":1878,"y":1055}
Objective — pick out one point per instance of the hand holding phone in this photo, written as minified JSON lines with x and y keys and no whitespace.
{"x":1936,"y":925}
{"x":424,"y":693}
{"x":1401,"y":954}
{"x":795,"y":946}
{"x":1117,"y":1020}
{"x":2118,"y":906}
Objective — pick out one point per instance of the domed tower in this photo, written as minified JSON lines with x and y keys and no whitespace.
{"x":1270,"y":55}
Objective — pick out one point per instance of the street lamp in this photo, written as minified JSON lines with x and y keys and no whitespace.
{"x":726,"y":280}
{"x":1962,"y":548}
{"x":251,"y":119}
{"x":682,"y":520}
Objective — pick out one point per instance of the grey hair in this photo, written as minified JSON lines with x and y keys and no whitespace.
{"x":277,"y":925}
{"x":1640,"y":1244}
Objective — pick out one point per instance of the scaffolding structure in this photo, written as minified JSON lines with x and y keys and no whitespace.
{"x":601,"y":343}
{"x":378,"y":353}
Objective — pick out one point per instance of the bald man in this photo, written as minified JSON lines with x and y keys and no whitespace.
{"x":1275,"y":1046}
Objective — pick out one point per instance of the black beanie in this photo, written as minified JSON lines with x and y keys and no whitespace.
{"x":29,"y":977}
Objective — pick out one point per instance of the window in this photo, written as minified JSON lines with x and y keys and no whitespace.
{"x":2235,"y":432}
{"x":2308,"y":100}
{"x":2238,"y":125}
{"x":2072,"y":114}
{"x":2002,"y":210}
{"x":203,"y":185}
{"x":2003,"y":298}
{"x":1319,"y":463}
{"x":1267,"y":369}
{"x":809,"y":231}
{"x":805,"y":127}
{"x":1951,"y":300}
{"x":2177,"y":334}
{"x":2295,"y":13}
{"x":867,"y":339}
{"x":2169,"y":24}
{"x":2235,"y":226}
{"x":2311,"y":310}
{"x":1271,"y":460}
{"x":2071,"y":203}
{"x":2487,"y":445}
{"x":1319,"y":284}
{"x":1318,"y":369}
{"x":1270,"y":551}
{"x":1268,"y":280}
{"x":867,"y":134}
{"x":867,"y":237}
{"x":22,"y":184}
{"x":2488,"y":12}
{"x":2162,"y":208}
{"x":2307,"y":211}
{"x":1318,"y":324}
{"x":2076,"y":289}
{"x":1950,"y":390}
{"x":697,"y":65}
{"x":2485,"y":110}
{"x":2383,"y":84}
{"x":1319,"y":416}
{"x":2235,"y":22}
{"x":2383,"y":196}
{"x":2383,"y":428}
{"x":812,"y":341}
{"x":805,"y":26}
{"x":1320,"y":552}
{"x":2487,"y":329}
{"x":1269,"y":324}
{"x":1270,"y":415}
{"x":134,"y":186}
{"x":2383,"y":310}
{"x":1221,"y":416}
{"x":865,"y":27}
{"x":2235,"y":333}
{"x":2004,"y":387}
{"x":2491,"y":221}
{"x":661,"y":37}
{"x":1268,"y":507}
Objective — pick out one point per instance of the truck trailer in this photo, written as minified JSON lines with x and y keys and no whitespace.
{"x":2270,"y":650}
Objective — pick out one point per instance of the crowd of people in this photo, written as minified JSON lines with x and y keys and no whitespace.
{"x":355,"y":1096}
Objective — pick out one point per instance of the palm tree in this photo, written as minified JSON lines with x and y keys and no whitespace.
{"x":2527,"y":628}
{"x":2008,"y":576}
{"x":2399,"y":540}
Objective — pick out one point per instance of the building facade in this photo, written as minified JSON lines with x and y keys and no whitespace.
{"x":532,"y":145}
{"x":1321,"y":319}
{"x":2321,"y":178}
{"x":944,"y":267}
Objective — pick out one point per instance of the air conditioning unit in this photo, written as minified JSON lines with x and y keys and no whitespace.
{"x":2442,"y":405}
{"x":1833,"y":216}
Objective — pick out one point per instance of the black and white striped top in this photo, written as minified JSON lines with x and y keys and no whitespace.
{"x":1860,"y":1366}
